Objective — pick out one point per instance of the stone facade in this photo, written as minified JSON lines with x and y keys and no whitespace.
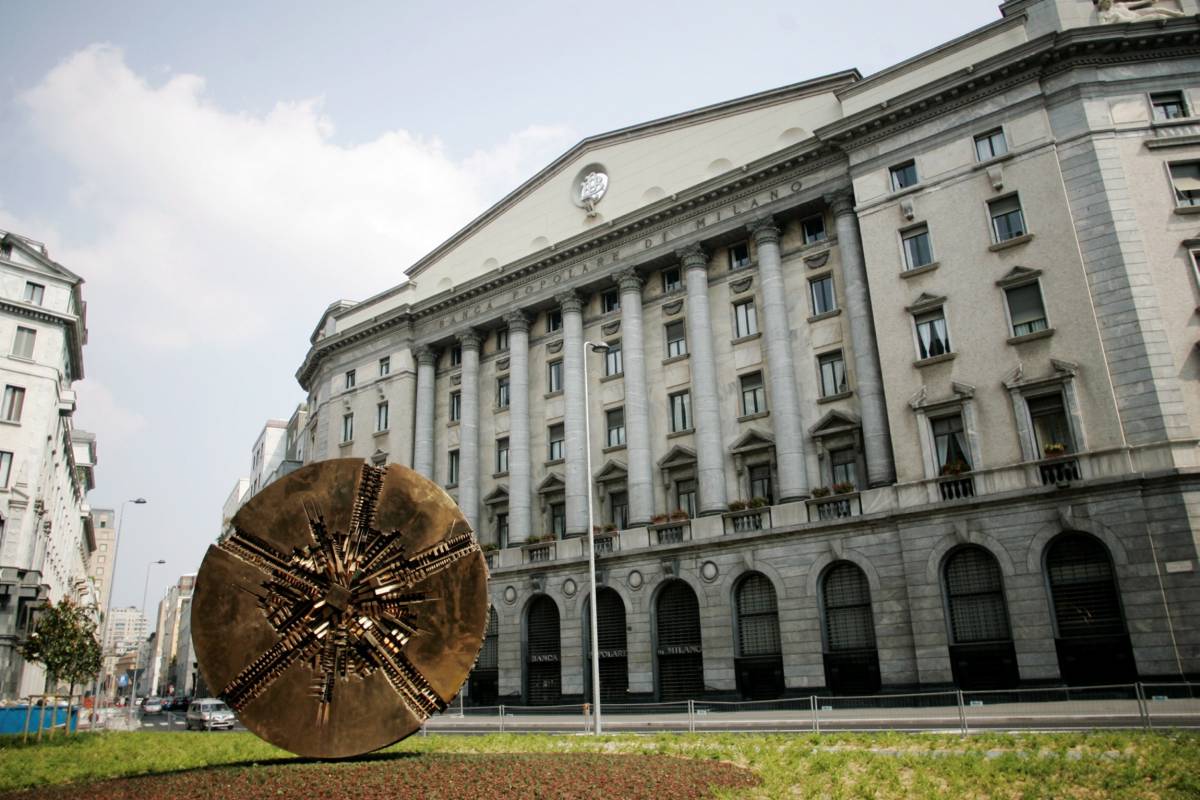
{"x":900,"y":387}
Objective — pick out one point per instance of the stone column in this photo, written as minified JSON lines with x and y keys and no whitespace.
{"x":468,"y":429}
{"x":710,"y":454}
{"x":520,"y":469}
{"x":639,"y":485}
{"x":423,"y":418}
{"x":877,"y":436}
{"x":578,"y":477}
{"x":781,"y":386}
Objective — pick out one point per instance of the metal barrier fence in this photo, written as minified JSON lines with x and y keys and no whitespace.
{"x":1138,"y":705}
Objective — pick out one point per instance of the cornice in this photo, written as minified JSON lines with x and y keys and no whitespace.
{"x":71,"y":323}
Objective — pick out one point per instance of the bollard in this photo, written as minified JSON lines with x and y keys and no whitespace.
{"x":812,"y":699}
{"x":1143,"y":706}
{"x":587,"y":712}
{"x":962,"y":712}
{"x":502,"y":718}
{"x":691,"y":716}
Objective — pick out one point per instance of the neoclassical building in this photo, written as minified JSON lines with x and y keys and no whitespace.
{"x":886,"y":382}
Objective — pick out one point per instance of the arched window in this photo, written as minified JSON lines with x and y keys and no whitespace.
{"x":614,"y":655}
{"x":759,"y":662}
{"x":851,"y":658}
{"x":483,"y":687}
{"x":543,"y":663}
{"x":1091,"y":637}
{"x":981,"y":648}
{"x":680,"y":657}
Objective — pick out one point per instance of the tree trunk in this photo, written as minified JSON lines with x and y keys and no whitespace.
{"x":70,"y":699}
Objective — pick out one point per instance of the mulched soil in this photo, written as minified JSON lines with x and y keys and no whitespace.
{"x":430,"y":777}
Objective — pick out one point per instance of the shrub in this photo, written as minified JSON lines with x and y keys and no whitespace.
{"x":758,"y":502}
{"x":737,"y":505}
{"x":844,"y":487}
{"x":821,"y":491}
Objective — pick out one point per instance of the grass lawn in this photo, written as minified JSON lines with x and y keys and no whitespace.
{"x":1044,"y":765}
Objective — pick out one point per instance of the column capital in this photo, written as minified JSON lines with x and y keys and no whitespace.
{"x":517,"y":321}
{"x":841,"y":202}
{"x":470,"y":339}
{"x":764,"y":230}
{"x":425,"y":354}
{"x":569,"y":301}
{"x":629,"y":280}
{"x":692,"y":256}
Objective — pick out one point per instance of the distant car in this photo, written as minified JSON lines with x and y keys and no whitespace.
{"x":209,"y":714}
{"x":153,"y":705}
{"x":177,"y":703}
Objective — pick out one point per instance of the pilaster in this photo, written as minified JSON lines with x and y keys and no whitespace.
{"x":520,"y":469}
{"x":640,"y":470}
{"x":423,"y":416}
{"x":577,"y":477}
{"x":468,"y":438}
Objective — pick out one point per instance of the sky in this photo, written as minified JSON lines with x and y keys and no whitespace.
{"x":221,"y":172}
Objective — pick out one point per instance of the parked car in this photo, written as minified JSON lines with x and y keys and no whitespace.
{"x":153,"y":705}
{"x":178,"y":703}
{"x":209,"y":714}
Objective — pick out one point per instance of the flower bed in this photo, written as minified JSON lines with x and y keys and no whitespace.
{"x":431,"y":776}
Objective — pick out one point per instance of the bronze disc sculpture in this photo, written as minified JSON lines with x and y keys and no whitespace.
{"x":347,"y":606}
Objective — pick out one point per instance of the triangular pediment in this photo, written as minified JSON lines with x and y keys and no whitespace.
{"x":752,"y":441}
{"x":834,"y":422}
{"x":611,"y":471}
{"x":926,"y":302}
{"x":497,"y":496}
{"x":677,"y":456}
{"x":1017,"y":276}
{"x":551,"y":483}
{"x":29,"y":256}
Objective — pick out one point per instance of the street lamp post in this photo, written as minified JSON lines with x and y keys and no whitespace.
{"x":137,"y":501}
{"x":597,"y":347}
{"x":137,"y":654}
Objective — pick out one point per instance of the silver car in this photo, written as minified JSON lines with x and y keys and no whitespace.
{"x":209,"y":714}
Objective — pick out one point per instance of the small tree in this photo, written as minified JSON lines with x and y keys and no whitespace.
{"x":64,"y":642}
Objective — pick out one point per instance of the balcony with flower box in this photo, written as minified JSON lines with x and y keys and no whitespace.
{"x":672,"y":529}
{"x":538,"y":551}
{"x":747,"y":516}
{"x":840,"y":502}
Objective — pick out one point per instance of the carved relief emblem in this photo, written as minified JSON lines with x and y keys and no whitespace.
{"x":592,"y":188}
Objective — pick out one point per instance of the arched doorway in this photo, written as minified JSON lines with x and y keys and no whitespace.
{"x":1090,"y":634}
{"x":614,"y":655}
{"x":483,"y":687}
{"x":679,"y":655}
{"x":759,"y":663}
{"x":543,"y":661}
{"x":981,"y":646}
{"x":851,"y":657}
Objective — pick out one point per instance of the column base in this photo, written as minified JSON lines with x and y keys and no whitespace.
{"x":799,"y":498}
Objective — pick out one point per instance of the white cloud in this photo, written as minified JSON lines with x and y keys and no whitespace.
{"x":99,"y":410}
{"x":214,"y":224}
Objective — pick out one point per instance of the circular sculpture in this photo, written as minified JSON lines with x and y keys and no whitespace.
{"x":347,"y":606}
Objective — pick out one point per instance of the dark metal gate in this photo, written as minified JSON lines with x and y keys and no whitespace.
{"x":680,"y":656}
{"x":614,"y":654}
{"x":851,"y":658}
{"x":981,"y":647}
{"x":483,"y":687}
{"x":543,"y":662}
{"x":759,"y":663}
{"x":1092,"y":642}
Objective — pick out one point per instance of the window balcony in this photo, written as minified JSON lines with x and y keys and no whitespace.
{"x":605,"y":543}
{"x":748,"y":520}
{"x":834,"y":507}
{"x":956,"y":487}
{"x":538,"y":552}
{"x":1059,"y":470}
{"x":671,"y":532}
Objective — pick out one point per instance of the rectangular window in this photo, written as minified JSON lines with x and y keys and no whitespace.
{"x":671,"y":281}
{"x":613,"y":362}
{"x":385,"y":366}
{"x":685,"y":494}
{"x":381,"y":416}
{"x":5,"y":468}
{"x":502,"y":455}
{"x":614,"y":422}
{"x":745,"y":319}
{"x":34,"y":293}
{"x":14,"y":401}
{"x":843,"y":466}
{"x":554,"y":377}
{"x":950,"y":444}
{"x":502,"y":340}
{"x":452,"y":468}
{"x":821,"y":292}
{"x":932,"y":337}
{"x":554,"y":320}
{"x":619,"y":503}
{"x":813,"y":229}
{"x":455,"y":355}
{"x":1007,"y":220}
{"x":502,"y":528}
{"x":760,"y":483}
{"x":739,"y":255}
{"x":502,"y":396}
{"x":610,"y":301}
{"x":455,"y":406}
{"x":1050,"y":428}
{"x":555,"y":436}
{"x":676,"y":339}
{"x":917,"y":249}
{"x":23,"y":342}
{"x":990,"y":145}
{"x":1186,"y":178}
{"x":347,"y":427}
{"x":681,"y":412}
{"x":1168,"y":105}
{"x":558,"y":519}
{"x":1025,"y":309}
{"x":754,"y":397}
{"x":904,"y":175}
{"x":833,"y":374}
{"x":351,"y":378}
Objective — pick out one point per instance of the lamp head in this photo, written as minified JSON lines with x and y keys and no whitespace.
{"x":141,"y":501}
